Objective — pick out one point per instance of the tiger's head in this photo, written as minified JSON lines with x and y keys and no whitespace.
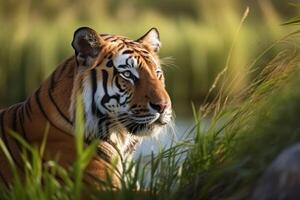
{"x":122,"y":83}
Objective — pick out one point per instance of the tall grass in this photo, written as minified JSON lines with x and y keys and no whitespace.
{"x":229,"y":159}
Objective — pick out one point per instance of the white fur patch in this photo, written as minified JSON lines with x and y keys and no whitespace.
{"x":153,"y":39}
{"x":120,"y":59}
{"x":91,"y":121}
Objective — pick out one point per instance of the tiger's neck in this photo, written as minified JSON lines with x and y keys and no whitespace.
{"x":97,"y":124}
{"x":59,"y":90}
{"x":47,"y":107}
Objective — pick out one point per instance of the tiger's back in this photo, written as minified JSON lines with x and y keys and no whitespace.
{"x":45,"y":108}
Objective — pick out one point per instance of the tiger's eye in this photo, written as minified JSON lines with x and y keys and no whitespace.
{"x":127,"y":74}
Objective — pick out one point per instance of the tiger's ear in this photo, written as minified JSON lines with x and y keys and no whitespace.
{"x":151,"y":39}
{"x":87,"y":45}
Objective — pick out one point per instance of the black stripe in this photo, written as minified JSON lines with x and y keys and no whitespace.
{"x":144,"y":51}
{"x":27,"y":111}
{"x":105,"y":78}
{"x":133,"y":106}
{"x":14,"y":119}
{"x":1,"y":121}
{"x":109,"y":37}
{"x":107,"y":159}
{"x":37,"y":98}
{"x":127,"y":61}
{"x":28,"y":108}
{"x":94,"y":89}
{"x":22,"y":113}
{"x":114,"y":40}
{"x":50,"y":90}
{"x":101,"y":120}
{"x":6,"y":140}
{"x":4,"y":180}
{"x":123,"y":66}
{"x":109,"y":64}
{"x":14,"y":124}
{"x":126,"y":100}
{"x":120,"y":46}
{"x":131,"y":147}
{"x":128,"y":51}
{"x":115,"y":72}
{"x":58,"y":109}
{"x":118,"y":85}
{"x":106,"y":98}
{"x":103,"y":156}
{"x":116,"y":148}
{"x":22,"y":119}
{"x":52,"y":81}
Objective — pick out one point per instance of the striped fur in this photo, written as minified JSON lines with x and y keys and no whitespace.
{"x":122,"y":87}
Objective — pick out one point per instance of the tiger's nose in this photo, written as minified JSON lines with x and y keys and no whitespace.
{"x":159,"y":107}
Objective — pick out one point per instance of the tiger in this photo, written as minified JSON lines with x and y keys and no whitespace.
{"x":124,"y":99}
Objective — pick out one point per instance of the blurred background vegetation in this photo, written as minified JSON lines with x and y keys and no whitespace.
{"x":196,"y":35}
{"x":226,"y":155}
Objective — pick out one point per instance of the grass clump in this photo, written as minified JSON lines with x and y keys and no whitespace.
{"x":252,"y":135}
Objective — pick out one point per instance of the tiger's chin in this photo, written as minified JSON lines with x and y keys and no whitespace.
{"x":145,"y":129}
{"x":150,"y":128}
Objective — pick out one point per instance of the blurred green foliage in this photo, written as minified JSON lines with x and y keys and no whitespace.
{"x":197,"y":34}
